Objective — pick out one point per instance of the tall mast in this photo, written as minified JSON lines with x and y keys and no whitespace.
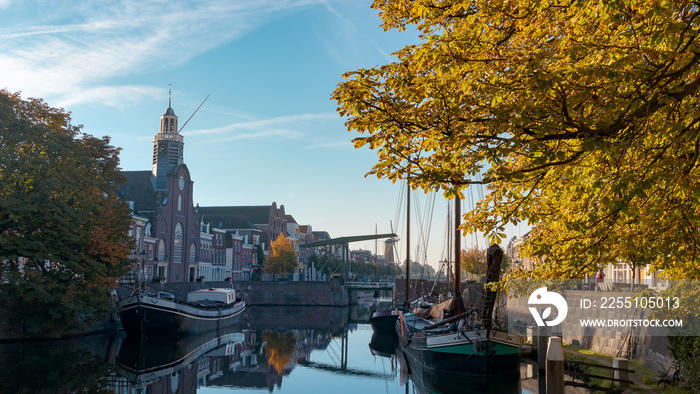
{"x":376,"y":268}
{"x":457,"y":302}
{"x":458,"y":236}
{"x":408,"y":236}
{"x":450,"y":245}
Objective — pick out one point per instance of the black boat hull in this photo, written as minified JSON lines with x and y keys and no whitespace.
{"x":477,"y":352}
{"x":147,"y":316}
{"x":383,"y":322}
{"x":475,"y":365}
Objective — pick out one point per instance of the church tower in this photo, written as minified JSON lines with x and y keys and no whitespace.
{"x":167,"y":147}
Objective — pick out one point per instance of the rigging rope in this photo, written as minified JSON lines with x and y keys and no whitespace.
{"x":397,"y":219}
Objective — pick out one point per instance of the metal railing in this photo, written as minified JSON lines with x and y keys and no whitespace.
{"x":380,"y":284}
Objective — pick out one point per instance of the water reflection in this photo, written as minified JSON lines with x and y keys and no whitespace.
{"x":240,"y":358}
{"x":178,"y":364}
{"x":272,"y":349}
{"x":57,"y":366}
{"x":426,"y":380}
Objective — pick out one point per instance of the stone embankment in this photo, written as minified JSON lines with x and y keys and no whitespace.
{"x":283,"y":293}
{"x":649,"y":345}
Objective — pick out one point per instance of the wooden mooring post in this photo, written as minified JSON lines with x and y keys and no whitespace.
{"x":543,"y":334}
{"x":620,"y":372}
{"x":555,"y":366}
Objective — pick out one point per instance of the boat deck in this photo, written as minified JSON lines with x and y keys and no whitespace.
{"x":419,"y":324}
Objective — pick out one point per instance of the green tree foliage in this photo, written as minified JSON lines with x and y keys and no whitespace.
{"x":283,"y":258}
{"x":686,"y":351}
{"x":63,"y":234}
{"x":260,"y":262}
{"x":580,"y":117}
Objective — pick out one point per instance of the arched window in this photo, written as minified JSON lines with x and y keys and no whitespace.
{"x":193,"y":253}
{"x":178,"y":244}
{"x":179,"y":202}
{"x":161,"y":250}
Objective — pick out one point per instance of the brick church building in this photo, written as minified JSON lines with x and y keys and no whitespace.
{"x":166,"y":226}
{"x":178,"y":241}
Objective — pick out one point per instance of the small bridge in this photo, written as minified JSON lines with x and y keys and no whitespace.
{"x":381,"y":285}
{"x":355,"y":289}
{"x":344,"y":242}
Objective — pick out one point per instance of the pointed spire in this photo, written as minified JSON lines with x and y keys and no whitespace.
{"x":170,"y":111}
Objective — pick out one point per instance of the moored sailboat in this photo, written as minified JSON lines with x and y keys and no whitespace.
{"x":469,"y":343}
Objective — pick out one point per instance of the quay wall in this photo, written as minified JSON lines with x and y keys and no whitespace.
{"x":649,"y":345}
{"x":282,"y":293}
{"x":331,"y":293}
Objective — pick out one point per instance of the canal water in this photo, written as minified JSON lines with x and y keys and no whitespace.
{"x":271,"y":350}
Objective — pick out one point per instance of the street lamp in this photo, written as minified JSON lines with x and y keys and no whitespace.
{"x":142,"y":264}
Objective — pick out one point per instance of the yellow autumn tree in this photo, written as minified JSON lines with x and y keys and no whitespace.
{"x":473,"y":261}
{"x":579,"y":117}
{"x":282,"y":259}
{"x":279,"y":348}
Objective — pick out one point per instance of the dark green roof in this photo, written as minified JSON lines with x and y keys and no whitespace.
{"x":139,"y":189}
{"x":257,"y":214}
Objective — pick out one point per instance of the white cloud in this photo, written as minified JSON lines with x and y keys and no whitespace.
{"x":354,"y":38}
{"x":273,"y":133}
{"x":70,"y":63}
{"x":337,"y":144}
{"x":263,"y":123}
{"x":113,"y":96}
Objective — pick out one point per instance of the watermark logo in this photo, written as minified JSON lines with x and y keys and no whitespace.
{"x":543,"y":297}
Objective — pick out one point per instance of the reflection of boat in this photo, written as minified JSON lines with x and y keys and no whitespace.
{"x":383,"y":345}
{"x":145,"y":360}
{"x":148,"y":314}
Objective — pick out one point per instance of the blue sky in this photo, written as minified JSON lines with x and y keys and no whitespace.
{"x":268,"y":132}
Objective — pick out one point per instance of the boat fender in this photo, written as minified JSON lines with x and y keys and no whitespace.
{"x":460,"y":328}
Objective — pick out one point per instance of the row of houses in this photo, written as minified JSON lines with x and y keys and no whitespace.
{"x":607,"y":278}
{"x":176,"y":240}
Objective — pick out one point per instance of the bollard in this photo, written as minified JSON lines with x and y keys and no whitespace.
{"x":542,"y":337}
{"x":555,"y":366}
{"x":620,"y":362}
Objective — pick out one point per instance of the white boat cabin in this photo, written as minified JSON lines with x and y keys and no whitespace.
{"x":226,"y":296}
